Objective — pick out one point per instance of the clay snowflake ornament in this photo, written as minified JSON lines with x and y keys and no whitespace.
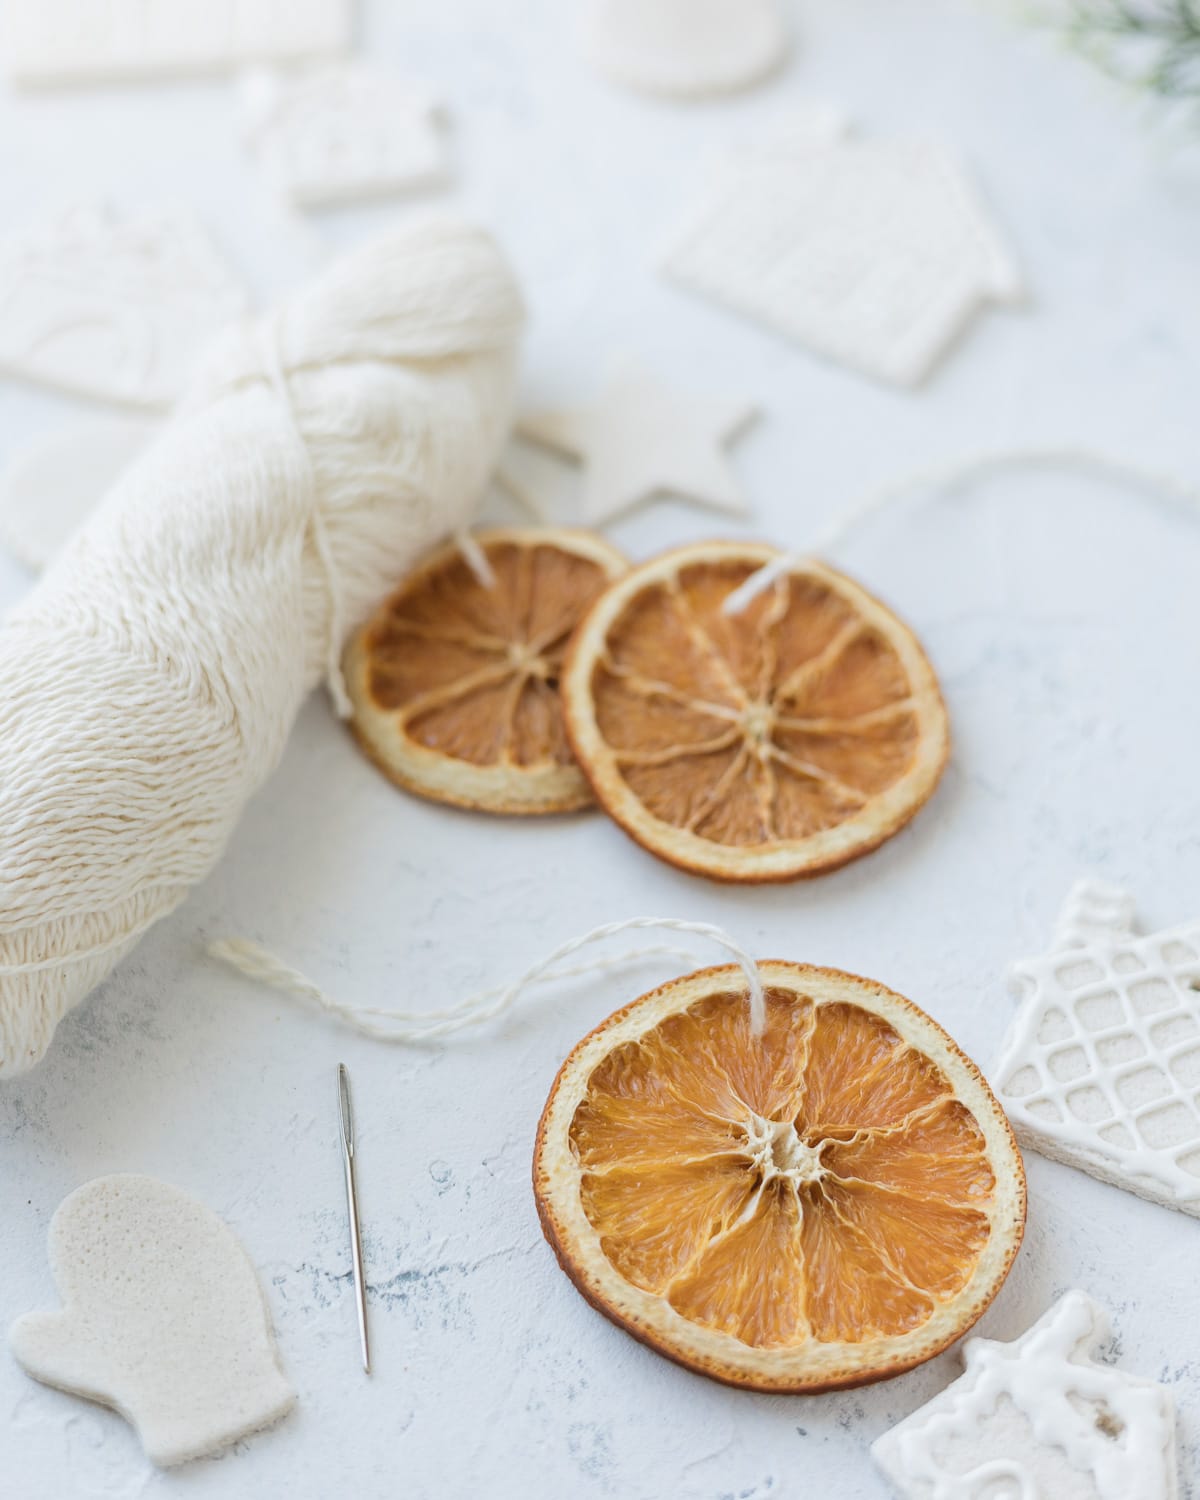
{"x":642,"y":438}
{"x":1038,"y":1419}
{"x":876,"y":254}
{"x":1101,"y":1068}
{"x":686,"y":48}
{"x":84,"y":41}
{"x":343,"y":133}
{"x":114,"y":307}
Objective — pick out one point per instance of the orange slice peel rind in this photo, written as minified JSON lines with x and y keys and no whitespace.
{"x":824,"y":1206}
{"x":771,"y":744}
{"x":454,"y":682}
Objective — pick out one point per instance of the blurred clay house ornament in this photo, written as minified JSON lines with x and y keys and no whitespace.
{"x":876,"y":254}
{"x":1101,"y":1067}
{"x":343,"y":133}
{"x":88,"y":41}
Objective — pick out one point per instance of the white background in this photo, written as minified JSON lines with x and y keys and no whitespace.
{"x":1063,"y":615}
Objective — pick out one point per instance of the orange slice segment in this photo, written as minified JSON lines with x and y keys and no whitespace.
{"x":768,"y":745}
{"x":825,"y":1205}
{"x":455,"y":683}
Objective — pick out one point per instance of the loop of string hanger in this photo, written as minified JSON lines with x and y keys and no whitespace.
{"x":1181,"y":494}
{"x":394,"y":1025}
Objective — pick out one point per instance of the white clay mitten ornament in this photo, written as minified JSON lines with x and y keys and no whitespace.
{"x":162,"y":1318}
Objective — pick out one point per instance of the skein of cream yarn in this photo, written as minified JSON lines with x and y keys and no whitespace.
{"x":148,"y":682}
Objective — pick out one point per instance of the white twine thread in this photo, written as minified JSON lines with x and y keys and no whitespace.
{"x":270,"y":334}
{"x":475,"y":558}
{"x":149,"y":680}
{"x":1180,"y":492}
{"x":392,"y":1025}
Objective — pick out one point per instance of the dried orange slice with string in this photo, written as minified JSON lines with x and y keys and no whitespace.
{"x":824,"y":1205}
{"x":454,"y":681}
{"x":769,"y":744}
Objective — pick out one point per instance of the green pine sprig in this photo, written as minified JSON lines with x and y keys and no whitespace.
{"x":1152,"y":43}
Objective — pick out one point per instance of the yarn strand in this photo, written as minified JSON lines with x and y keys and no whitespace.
{"x":150,"y":678}
{"x":257,"y":963}
{"x":1178,"y":492}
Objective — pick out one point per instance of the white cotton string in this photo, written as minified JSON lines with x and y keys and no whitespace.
{"x":1181,"y":493}
{"x":475,"y":558}
{"x":259,"y":964}
{"x":150,"y":679}
{"x":270,"y":340}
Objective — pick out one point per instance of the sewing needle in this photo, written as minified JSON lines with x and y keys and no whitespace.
{"x":360,"y":1284}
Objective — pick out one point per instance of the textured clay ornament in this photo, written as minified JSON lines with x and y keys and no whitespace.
{"x":162,"y":1319}
{"x":116,"y":308}
{"x":83,"y":41}
{"x":641,"y":438}
{"x":343,"y":133}
{"x":1038,"y":1419}
{"x":1101,"y":1066}
{"x":49,"y":487}
{"x":686,"y":47}
{"x":876,"y":254}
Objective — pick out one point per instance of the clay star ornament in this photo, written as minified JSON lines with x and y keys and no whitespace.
{"x":642,"y":438}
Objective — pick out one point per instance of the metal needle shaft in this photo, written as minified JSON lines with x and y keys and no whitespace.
{"x":360,"y":1282}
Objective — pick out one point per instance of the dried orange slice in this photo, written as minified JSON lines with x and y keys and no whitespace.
{"x":454,"y":683}
{"x":768,"y":745}
{"x":825,"y":1205}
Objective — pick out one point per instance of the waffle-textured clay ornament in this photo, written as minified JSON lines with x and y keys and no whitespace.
{"x":1102,"y":1064}
{"x":162,"y":1318}
{"x":1038,"y":1419}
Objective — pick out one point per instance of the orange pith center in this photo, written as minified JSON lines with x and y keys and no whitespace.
{"x":820,"y":1182}
{"x":749,"y":729}
{"x":472,"y":671}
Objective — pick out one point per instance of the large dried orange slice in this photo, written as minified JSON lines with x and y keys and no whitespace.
{"x":454,"y":682}
{"x":770,"y":744}
{"x":824,"y":1205}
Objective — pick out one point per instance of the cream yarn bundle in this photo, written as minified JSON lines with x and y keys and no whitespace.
{"x":149,"y":681}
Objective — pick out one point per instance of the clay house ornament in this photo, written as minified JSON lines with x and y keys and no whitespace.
{"x":343,"y":133}
{"x":1038,"y":1418}
{"x":1101,"y":1067}
{"x":90,"y":41}
{"x":876,"y":254}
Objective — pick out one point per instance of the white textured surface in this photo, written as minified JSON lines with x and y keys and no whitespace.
{"x":1064,"y":617}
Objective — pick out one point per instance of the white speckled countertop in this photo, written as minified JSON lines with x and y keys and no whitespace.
{"x":1063,"y":615}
